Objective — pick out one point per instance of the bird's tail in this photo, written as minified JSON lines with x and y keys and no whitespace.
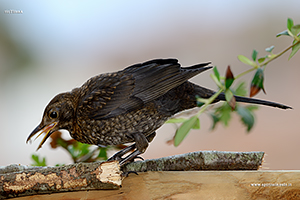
{"x":255,"y":101}
{"x":206,"y":93}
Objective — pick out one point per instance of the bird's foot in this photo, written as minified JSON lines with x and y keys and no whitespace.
{"x":130,"y":157}
{"x":118,"y":156}
{"x":138,"y":157}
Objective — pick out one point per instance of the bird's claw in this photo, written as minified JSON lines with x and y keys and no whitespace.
{"x":130,"y":157}
{"x":138,"y":157}
{"x":118,"y":156}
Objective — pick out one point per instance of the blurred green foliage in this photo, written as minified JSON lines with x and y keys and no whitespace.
{"x":222,"y":113}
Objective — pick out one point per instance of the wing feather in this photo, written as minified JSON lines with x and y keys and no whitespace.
{"x":109,"y":95}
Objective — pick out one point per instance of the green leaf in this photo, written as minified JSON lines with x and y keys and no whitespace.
{"x":37,"y":161}
{"x":35,"y":158}
{"x":184,"y":129}
{"x":241,"y":89}
{"x":83,"y":150}
{"x":295,"y":29}
{"x":260,"y":60}
{"x":78,"y":150}
{"x":285,"y":32}
{"x":199,"y":104}
{"x":254,"y":55}
{"x":294,"y":49}
{"x":225,"y":113}
{"x":228,"y":82}
{"x":215,"y":119}
{"x":271,"y":56}
{"x":176,"y":120}
{"x":246,"y":116}
{"x":252,"y":107}
{"x":200,"y":101}
{"x":71,"y":150}
{"x":246,"y":60}
{"x":197,"y":124}
{"x":230,"y":98}
{"x":229,"y":78}
{"x":290,"y":23}
{"x":43,"y":162}
{"x":216,"y":72}
{"x":257,"y":82}
{"x":215,"y":79}
{"x":103,"y":153}
{"x":270,"y":49}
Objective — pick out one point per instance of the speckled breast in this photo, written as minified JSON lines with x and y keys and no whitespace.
{"x":118,"y":130}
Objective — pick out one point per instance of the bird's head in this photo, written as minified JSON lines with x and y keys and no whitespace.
{"x":58,"y":114}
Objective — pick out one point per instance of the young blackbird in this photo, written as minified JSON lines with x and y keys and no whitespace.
{"x":128,"y":105}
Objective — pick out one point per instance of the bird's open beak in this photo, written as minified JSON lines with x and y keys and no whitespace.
{"x":46,"y":129}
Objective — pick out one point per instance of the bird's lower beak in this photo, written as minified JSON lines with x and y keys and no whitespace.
{"x":46,"y":129}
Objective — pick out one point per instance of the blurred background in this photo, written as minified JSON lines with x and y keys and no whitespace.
{"x":48,"y":47}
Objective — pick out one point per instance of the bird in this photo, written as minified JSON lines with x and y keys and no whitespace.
{"x":128,"y":106}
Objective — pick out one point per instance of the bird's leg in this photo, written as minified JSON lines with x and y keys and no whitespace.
{"x":141,"y":144}
{"x":119,"y":154}
{"x":149,"y":139}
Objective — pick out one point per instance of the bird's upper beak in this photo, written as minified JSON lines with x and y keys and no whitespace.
{"x":42,"y":129}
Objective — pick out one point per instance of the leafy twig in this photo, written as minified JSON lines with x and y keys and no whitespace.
{"x":256,"y":85}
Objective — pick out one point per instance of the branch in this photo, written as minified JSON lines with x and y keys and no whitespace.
{"x":200,"y":160}
{"x":45,"y":180}
{"x":19,"y":180}
{"x":280,"y":54}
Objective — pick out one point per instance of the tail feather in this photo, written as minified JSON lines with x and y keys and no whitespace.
{"x":201,"y":65}
{"x":255,"y":101}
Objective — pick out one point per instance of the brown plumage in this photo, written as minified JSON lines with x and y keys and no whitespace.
{"x":128,"y":105}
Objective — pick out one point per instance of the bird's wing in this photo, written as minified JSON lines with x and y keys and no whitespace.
{"x":104,"y":93}
{"x":142,"y":83}
{"x":156,"y":77}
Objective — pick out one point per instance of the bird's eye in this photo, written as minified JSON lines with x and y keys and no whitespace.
{"x":53,"y":114}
